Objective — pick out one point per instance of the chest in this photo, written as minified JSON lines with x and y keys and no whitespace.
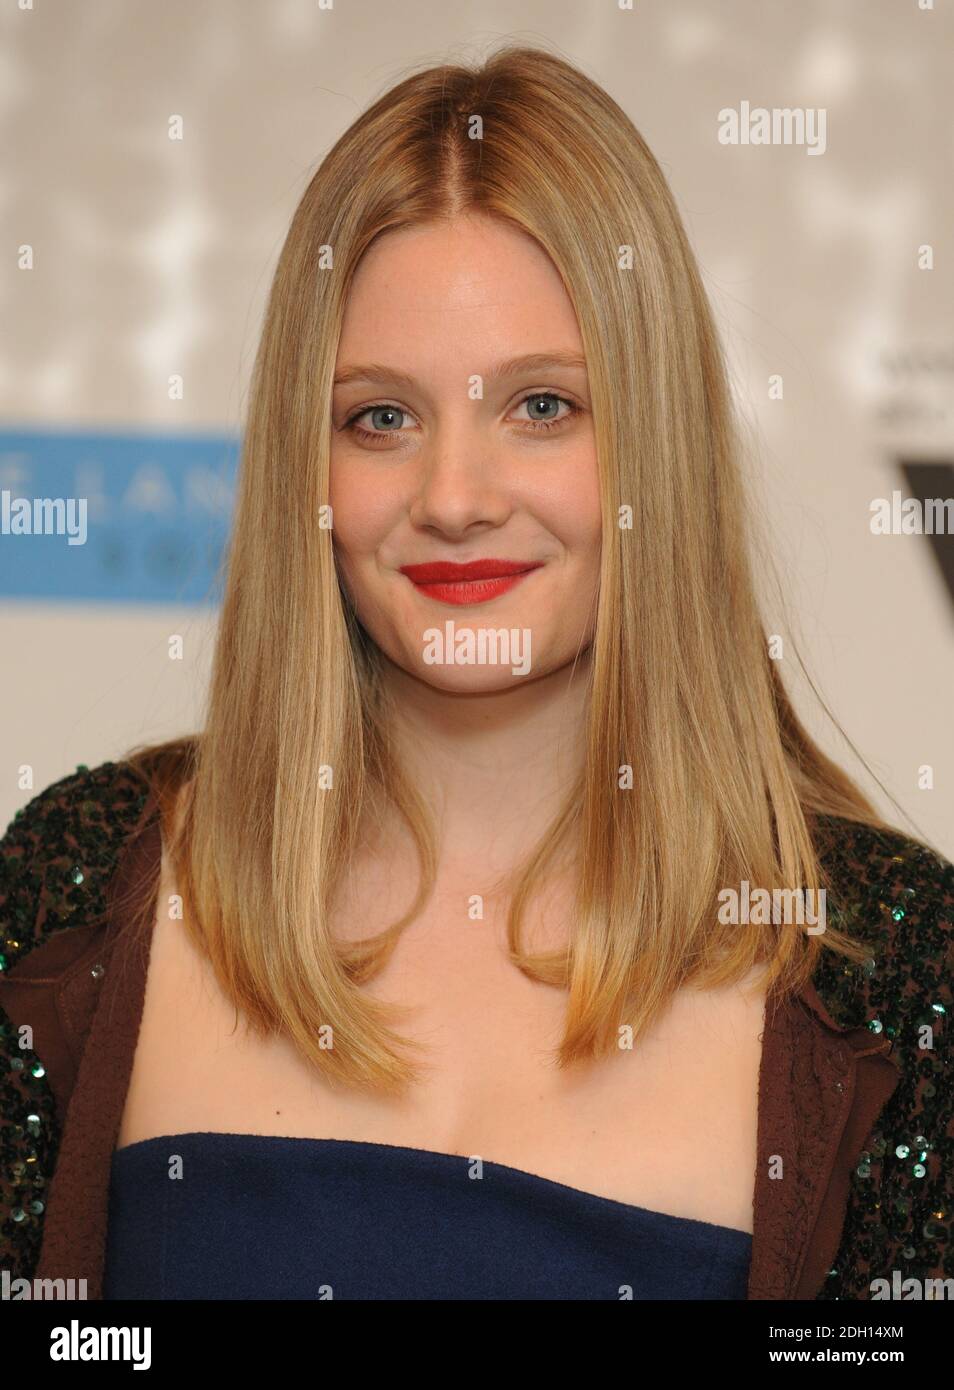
{"x":669,"y":1124}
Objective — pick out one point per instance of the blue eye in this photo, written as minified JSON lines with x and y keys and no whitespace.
{"x":388,"y":415}
{"x":376,"y":410}
{"x":551,"y":398}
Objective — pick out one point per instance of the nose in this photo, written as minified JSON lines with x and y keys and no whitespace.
{"x":463,"y":482}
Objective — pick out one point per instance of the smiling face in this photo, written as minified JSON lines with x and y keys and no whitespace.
{"x":463,"y":463}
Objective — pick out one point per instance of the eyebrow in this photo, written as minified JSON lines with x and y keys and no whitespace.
{"x":510,"y":366}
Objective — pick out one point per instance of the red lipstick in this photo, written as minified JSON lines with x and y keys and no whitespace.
{"x":478,"y":581}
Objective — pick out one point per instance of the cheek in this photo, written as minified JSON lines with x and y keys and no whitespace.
{"x":364,"y":513}
{"x":569,"y":507}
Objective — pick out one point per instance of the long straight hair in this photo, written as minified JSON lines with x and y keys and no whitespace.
{"x":683,"y":691}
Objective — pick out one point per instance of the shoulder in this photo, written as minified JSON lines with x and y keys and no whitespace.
{"x":60,"y":851}
{"x":866,"y":861}
{"x":896,"y":895}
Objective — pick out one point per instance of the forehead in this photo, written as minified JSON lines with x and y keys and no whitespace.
{"x":476,"y":283}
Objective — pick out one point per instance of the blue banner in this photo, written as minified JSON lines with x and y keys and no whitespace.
{"x":115,"y":517}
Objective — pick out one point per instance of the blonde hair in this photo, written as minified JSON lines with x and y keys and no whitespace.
{"x":683,"y":690}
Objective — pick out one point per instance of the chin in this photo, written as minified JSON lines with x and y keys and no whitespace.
{"x":473,"y":680}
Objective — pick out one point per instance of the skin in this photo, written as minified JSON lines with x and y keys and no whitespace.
{"x":671,"y":1125}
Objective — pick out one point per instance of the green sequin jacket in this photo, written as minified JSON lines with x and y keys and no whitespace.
{"x":855,"y":1086}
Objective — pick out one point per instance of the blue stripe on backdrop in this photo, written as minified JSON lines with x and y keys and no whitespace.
{"x":114,"y":517}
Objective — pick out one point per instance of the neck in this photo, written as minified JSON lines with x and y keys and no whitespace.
{"x":494,"y":768}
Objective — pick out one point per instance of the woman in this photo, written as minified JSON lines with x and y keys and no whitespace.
{"x":443,"y":999}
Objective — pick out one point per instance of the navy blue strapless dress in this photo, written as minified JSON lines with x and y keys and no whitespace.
{"x":265,"y":1217}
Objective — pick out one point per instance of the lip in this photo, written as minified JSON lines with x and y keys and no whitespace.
{"x":477,"y":581}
